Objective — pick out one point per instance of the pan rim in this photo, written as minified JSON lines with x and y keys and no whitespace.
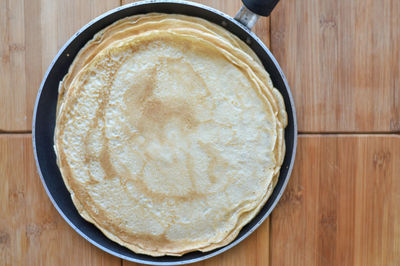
{"x":238,"y":239}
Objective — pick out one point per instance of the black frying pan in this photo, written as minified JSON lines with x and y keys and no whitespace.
{"x":46,"y":103}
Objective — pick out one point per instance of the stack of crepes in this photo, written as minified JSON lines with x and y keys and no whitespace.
{"x":169,"y":134}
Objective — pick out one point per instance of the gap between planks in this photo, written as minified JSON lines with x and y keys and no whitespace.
{"x":300,"y":133}
{"x":22,"y":132}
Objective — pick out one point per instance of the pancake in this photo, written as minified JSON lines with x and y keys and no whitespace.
{"x":169,"y":134}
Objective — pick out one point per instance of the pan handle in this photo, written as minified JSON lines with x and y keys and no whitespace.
{"x":252,"y":9}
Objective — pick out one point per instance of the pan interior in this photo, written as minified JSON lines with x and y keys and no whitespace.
{"x":43,"y":131}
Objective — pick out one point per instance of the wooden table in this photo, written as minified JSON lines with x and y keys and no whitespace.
{"x":342,"y":204}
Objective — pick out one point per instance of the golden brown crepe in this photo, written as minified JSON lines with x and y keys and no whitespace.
{"x":169,"y":134}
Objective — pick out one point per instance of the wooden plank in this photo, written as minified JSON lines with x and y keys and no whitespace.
{"x":31,"y":230}
{"x":254,"y":250}
{"x":31,"y":33}
{"x":341,"y":206}
{"x":342,"y":61}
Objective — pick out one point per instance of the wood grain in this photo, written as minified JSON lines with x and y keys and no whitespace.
{"x":341,"y":206}
{"x":31,"y":230}
{"x":31,"y":33}
{"x":342,"y":61}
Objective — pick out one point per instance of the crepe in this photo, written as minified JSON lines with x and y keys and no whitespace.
{"x":169,"y":134}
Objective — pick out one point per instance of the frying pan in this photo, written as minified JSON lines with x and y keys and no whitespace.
{"x":45,"y":115}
